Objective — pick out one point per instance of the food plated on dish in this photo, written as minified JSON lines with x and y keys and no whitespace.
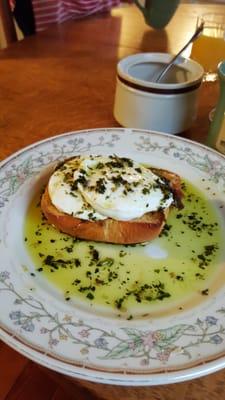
{"x":69,"y":302}
{"x":110,"y":199}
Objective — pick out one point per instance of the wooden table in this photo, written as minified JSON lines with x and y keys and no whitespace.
{"x":63,"y":80}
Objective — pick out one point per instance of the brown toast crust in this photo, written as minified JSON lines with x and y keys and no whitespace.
{"x":139,"y":230}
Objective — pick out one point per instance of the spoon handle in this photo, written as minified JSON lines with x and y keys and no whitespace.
{"x":168,"y":66}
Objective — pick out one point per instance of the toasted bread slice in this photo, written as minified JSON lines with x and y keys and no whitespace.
{"x":139,"y":230}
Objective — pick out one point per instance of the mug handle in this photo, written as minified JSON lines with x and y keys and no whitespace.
{"x":139,"y":5}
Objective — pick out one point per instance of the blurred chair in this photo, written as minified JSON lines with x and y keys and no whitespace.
{"x":7,"y":22}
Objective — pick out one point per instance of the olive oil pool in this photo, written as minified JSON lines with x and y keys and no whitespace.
{"x":166,"y":275}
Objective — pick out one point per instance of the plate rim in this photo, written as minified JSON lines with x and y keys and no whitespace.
{"x":125,"y":130}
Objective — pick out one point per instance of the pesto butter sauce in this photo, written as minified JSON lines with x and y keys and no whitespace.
{"x":138,"y":280}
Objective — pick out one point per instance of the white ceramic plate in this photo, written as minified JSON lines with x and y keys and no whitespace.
{"x":79,"y":343}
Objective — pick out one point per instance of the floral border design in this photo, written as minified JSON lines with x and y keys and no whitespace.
{"x":143,"y":345}
{"x":214,"y":168}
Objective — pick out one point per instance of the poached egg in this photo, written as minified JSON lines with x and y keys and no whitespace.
{"x":99,"y":187}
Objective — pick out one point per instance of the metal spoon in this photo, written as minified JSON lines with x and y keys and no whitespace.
{"x":168,"y":66}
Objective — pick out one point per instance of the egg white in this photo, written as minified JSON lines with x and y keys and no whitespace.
{"x":66,"y":200}
{"x":97,"y":187}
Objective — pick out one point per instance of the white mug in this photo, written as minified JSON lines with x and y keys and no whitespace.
{"x":169,"y":106}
